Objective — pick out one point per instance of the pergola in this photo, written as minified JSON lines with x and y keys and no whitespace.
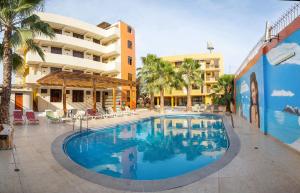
{"x":82,"y":80}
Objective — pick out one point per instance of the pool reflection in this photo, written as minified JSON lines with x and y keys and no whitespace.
{"x":151,"y":149}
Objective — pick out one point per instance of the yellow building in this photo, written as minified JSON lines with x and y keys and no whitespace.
{"x":213,"y":67}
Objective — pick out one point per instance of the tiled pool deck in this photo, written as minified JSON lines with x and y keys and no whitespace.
{"x":271,"y":168}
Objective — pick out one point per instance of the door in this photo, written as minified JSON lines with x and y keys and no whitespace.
{"x":19,"y":101}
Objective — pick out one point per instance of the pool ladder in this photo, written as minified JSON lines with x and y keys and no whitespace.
{"x":80,"y":125}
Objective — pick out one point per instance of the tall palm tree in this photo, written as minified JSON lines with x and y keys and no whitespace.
{"x":19,"y":25}
{"x":165,"y":77}
{"x":223,"y":90}
{"x":147,"y":76}
{"x":190,"y":74}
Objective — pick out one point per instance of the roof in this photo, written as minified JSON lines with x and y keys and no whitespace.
{"x":79,"y":79}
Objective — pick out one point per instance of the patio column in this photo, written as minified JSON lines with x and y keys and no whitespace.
{"x":157,"y":99}
{"x":64,"y":98}
{"x":172,"y":102}
{"x":114,"y":99}
{"x":94,"y":96}
{"x":131,"y":106}
{"x":175,"y":101}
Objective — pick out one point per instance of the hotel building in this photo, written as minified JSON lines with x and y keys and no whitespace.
{"x":103,"y":50}
{"x":213,"y":67}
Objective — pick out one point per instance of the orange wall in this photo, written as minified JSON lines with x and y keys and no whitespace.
{"x":125,"y":67}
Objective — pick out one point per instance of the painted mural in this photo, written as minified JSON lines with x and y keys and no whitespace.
{"x":268,"y":94}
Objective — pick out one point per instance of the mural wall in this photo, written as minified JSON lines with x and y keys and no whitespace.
{"x":268,"y":93}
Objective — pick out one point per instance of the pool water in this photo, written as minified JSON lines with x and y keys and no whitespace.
{"x":150,"y":149}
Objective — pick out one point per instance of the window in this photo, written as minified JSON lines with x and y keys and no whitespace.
{"x":44,"y":91}
{"x":55,"y":95}
{"x":129,"y":44}
{"x":195,"y":86}
{"x":96,"y":58}
{"x":57,"y":31}
{"x":177,"y":64}
{"x":130,"y":76}
{"x":95,"y":73}
{"x":96,"y":41}
{"x":77,"y":96}
{"x":77,"y":54}
{"x":128,"y":95}
{"x":67,"y":91}
{"x":129,"y":60}
{"x":78,"y":71}
{"x":53,"y":69}
{"x":98,"y":96}
{"x":129,"y":29}
{"x":76,"y":35}
{"x":56,"y":50}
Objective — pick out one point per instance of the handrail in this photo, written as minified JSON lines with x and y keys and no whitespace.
{"x":288,"y":17}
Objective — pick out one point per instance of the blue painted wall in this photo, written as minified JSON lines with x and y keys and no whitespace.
{"x":279,"y":91}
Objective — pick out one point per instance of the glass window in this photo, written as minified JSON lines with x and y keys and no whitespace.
{"x":78,"y":71}
{"x":129,"y":44}
{"x":56,"y":50}
{"x":76,"y":35}
{"x":44,"y":91}
{"x":57,"y":31}
{"x":129,"y":60}
{"x":98,"y":96}
{"x":77,"y":96}
{"x":130,"y":76}
{"x":128,"y":95}
{"x":178,"y":64}
{"x":129,"y":29}
{"x":53,"y":69}
{"x":96,"y":41}
{"x":195,"y":86}
{"x":78,"y":54}
{"x":96,"y":58}
{"x":55,"y":95}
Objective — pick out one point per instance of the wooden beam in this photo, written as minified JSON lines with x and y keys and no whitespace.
{"x":64,"y":98}
{"x":114,"y":99}
{"x":94,"y":96}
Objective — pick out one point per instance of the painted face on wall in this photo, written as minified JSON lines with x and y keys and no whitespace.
{"x":253,"y":93}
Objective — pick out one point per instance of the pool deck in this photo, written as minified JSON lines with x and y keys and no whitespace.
{"x":271,"y":167}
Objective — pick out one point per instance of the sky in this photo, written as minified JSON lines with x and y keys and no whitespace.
{"x":170,"y":27}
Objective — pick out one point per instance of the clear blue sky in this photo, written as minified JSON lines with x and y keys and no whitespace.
{"x":168,"y":27}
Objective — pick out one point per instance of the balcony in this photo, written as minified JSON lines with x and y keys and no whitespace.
{"x":211,"y":80}
{"x":81,"y":44}
{"x":73,"y":62}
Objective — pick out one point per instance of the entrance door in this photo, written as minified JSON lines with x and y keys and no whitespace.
{"x":19,"y":101}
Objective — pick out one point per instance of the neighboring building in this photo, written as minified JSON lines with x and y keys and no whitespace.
{"x":105,"y":50}
{"x":211,"y":64}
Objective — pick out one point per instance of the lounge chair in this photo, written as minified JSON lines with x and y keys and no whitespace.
{"x":111,"y":112}
{"x":196,"y":108}
{"x":202,"y":108}
{"x":105,"y":114}
{"x":120,"y":113}
{"x":93,"y":114}
{"x":18,"y":117}
{"x":52,"y":117}
{"x":31,"y":118}
{"x":131,"y":112}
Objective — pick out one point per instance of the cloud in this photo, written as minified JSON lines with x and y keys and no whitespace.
{"x":244,"y":87}
{"x":282,"y":93}
{"x":285,"y":53}
{"x":279,"y":116}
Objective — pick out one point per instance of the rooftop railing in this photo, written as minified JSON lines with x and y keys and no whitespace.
{"x":287,"y":18}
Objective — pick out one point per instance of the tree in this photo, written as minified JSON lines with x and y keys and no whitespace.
{"x":190,"y":74}
{"x":165,"y":77}
{"x":19,"y":25}
{"x":223,"y":90}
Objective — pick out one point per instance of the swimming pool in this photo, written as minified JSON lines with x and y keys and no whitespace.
{"x":150,"y":149}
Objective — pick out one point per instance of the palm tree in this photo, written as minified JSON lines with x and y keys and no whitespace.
{"x":190,"y":74}
{"x":19,"y":25}
{"x":147,"y":76}
{"x":223,"y":90}
{"x":165,"y":77}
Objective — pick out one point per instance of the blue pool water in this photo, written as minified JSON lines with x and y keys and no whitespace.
{"x":153,"y":148}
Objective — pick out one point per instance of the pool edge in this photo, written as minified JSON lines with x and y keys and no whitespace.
{"x":147,"y":185}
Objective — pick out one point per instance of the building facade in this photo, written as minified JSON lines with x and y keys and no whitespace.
{"x":102,"y":50}
{"x":213,"y":67}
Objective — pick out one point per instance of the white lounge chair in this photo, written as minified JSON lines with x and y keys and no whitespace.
{"x":196,"y":108}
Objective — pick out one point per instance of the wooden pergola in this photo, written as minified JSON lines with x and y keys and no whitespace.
{"x":82,"y":80}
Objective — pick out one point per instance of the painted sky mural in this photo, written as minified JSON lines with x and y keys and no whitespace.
{"x":278,"y":78}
